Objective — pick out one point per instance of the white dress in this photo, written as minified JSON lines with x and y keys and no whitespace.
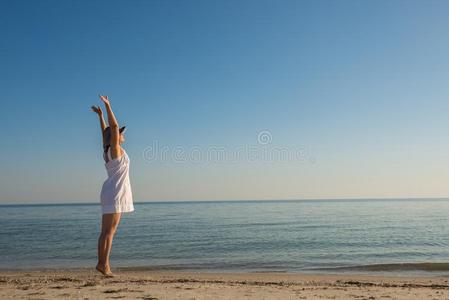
{"x":116,"y":195}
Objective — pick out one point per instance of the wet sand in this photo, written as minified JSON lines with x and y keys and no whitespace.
{"x":147,"y":284}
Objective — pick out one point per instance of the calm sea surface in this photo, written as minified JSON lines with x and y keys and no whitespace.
{"x":274,"y":236}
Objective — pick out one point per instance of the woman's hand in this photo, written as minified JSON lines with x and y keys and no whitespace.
{"x":97,"y":110}
{"x":104,"y":99}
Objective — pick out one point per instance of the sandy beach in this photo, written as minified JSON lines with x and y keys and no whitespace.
{"x":148,"y":284}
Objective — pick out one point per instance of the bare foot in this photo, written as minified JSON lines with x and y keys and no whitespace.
{"x":103,"y":270}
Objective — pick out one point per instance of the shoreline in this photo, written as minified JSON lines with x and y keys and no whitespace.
{"x":86,"y":283}
{"x":406,"y":269}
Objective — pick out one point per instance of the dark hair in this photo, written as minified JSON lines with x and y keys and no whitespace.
{"x":107,"y":137}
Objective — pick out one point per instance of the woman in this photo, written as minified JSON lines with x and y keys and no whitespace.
{"x":116,"y":195}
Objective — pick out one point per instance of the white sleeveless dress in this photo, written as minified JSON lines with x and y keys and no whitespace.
{"x":116,"y":195}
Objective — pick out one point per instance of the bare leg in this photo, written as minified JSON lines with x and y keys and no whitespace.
{"x":109,"y":224}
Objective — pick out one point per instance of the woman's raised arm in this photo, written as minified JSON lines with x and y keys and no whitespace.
{"x":99,"y":112}
{"x":116,"y":150}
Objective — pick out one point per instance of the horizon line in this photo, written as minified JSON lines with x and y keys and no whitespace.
{"x":236,"y":200}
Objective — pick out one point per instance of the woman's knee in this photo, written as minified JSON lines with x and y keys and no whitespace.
{"x":108,"y":232}
{"x":109,"y":224}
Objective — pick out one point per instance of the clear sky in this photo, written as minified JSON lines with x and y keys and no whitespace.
{"x":359,"y":88}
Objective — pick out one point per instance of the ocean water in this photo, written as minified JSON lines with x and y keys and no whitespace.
{"x":229,"y":236}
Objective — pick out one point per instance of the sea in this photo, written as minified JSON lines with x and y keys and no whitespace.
{"x":394,"y":236}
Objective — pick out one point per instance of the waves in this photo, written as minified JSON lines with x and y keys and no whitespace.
{"x":393,"y":267}
{"x":334,"y":236}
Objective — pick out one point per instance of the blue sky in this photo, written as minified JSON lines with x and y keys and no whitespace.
{"x":360,"y":87}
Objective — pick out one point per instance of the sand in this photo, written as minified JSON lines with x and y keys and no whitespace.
{"x":150,"y":284}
